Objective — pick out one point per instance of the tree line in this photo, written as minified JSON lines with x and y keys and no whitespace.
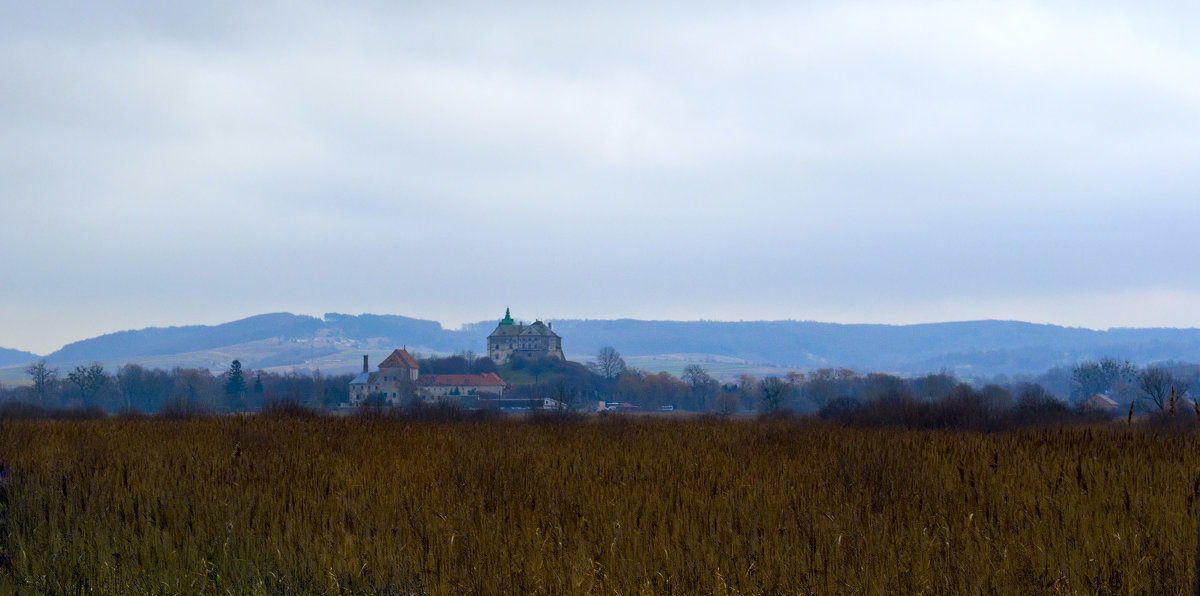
{"x":837,"y":393}
{"x":844,"y":394}
{"x":135,"y":388}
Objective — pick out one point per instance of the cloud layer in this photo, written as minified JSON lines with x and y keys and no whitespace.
{"x":890,"y":162}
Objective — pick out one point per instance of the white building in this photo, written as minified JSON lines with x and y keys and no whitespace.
{"x":395,"y":380}
{"x":441,"y":387}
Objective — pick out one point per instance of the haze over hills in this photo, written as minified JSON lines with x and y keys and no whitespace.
{"x":335,"y":341}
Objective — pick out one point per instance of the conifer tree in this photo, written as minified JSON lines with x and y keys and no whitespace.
{"x":235,"y":384}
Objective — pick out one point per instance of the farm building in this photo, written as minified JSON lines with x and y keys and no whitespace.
{"x":1102,"y":403}
{"x":450,"y":386}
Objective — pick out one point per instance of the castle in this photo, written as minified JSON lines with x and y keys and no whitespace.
{"x":511,"y":340}
{"x":399,"y":377}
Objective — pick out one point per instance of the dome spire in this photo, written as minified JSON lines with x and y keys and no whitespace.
{"x":507,"y":320}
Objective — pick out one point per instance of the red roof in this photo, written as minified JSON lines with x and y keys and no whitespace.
{"x":484,"y":380}
{"x":398,"y":359}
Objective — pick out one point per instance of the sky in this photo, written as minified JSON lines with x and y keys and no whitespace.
{"x":887,"y":162}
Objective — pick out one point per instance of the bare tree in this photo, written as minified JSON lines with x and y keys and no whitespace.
{"x":794,"y":379}
{"x":43,"y":377}
{"x":90,"y":380}
{"x":703,"y":385}
{"x":131,"y":379}
{"x":1158,"y":384}
{"x":995,"y":399}
{"x":826,"y":384}
{"x":695,"y":375}
{"x":747,"y":387}
{"x":772,"y":392}
{"x":1110,"y":376}
{"x":727,"y":403}
{"x":609,"y":363}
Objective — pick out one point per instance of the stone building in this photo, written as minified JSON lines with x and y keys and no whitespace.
{"x":395,"y":380}
{"x":511,"y":340}
{"x":399,"y":379}
{"x":486,"y":385}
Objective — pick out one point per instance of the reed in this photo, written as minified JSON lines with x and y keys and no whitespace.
{"x":343,"y":505}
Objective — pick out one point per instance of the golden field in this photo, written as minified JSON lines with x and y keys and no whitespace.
{"x":600,"y":506}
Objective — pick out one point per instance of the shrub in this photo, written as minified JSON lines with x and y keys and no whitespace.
{"x":839,"y":408}
{"x":287,"y":408}
{"x":179,"y":408}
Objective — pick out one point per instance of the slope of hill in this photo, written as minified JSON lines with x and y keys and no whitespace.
{"x":333,"y":343}
{"x":400,"y":331}
{"x":13,"y":357}
{"x":902,"y":348}
{"x":158,"y":341}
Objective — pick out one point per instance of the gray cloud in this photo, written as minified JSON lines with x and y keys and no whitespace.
{"x":851,"y":161}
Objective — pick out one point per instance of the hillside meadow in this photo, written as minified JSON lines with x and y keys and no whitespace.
{"x":269,"y":505}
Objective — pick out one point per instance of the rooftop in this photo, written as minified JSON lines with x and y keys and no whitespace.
{"x":398,"y":359}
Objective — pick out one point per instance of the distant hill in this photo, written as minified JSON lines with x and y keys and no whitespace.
{"x":968,"y":348}
{"x":335,"y":343}
{"x":400,"y":330}
{"x":11,"y":357}
{"x":157,"y":341}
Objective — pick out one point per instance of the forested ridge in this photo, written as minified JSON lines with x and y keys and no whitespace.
{"x":972,"y":347}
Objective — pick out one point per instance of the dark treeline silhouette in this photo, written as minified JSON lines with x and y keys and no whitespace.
{"x":990,"y":408}
{"x":177,"y":391}
{"x":840,"y":394}
{"x":935,"y":400}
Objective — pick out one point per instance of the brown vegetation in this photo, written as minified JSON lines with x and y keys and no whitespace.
{"x":361,"y":505}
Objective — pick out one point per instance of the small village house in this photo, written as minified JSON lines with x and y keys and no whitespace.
{"x":1101,"y":403}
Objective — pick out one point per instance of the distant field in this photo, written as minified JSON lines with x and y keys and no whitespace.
{"x":616,"y":505}
{"x":721,"y":368}
{"x":15,"y":379}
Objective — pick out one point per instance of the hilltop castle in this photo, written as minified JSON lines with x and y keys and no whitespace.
{"x":399,"y":377}
{"x":511,"y":340}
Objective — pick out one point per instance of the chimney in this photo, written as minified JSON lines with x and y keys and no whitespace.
{"x":364,"y":363}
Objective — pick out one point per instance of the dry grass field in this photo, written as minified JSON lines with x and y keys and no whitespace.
{"x":601,"y":506}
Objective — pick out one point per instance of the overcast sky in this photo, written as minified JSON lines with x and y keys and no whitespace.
{"x":837,"y":161}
